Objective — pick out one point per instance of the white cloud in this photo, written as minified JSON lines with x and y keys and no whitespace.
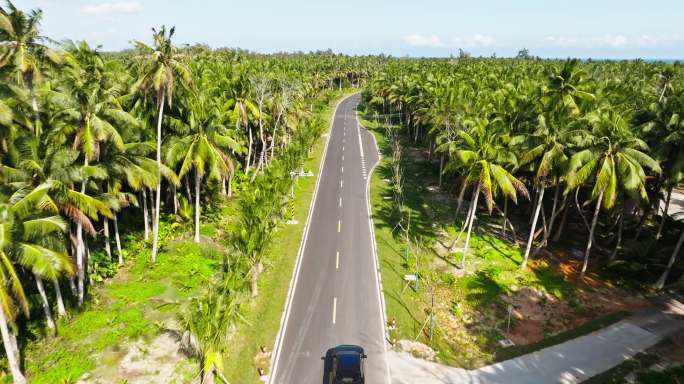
{"x":423,"y":40}
{"x":562,"y":41}
{"x":616,"y":41}
{"x":475,"y":41}
{"x":112,"y":8}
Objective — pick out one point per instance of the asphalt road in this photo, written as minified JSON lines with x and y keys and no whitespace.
{"x":335,"y":297}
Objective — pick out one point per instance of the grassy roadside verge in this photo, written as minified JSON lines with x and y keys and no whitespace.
{"x":263,"y":314}
{"x":470,"y":309}
{"x":133,"y":307}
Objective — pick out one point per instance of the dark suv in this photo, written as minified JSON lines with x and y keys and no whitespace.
{"x":344,"y":364}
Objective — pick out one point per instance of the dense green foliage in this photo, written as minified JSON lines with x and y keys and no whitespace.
{"x":77,"y":156}
{"x":601,"y":133}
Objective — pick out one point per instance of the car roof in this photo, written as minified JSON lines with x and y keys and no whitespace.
{"x":348,"y":348}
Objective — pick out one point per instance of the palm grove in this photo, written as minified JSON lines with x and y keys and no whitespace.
{"x":600,"y":142}
{"x":152,"y":133}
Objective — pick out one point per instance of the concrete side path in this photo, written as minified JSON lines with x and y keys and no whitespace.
{"x":566,"y":363}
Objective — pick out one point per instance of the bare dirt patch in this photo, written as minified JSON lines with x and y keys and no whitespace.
{"x":159,"y":361}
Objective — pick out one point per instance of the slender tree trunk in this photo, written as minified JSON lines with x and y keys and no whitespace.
{"x":230,"y":186}
{"x":263,"y":147}
{"x":175,"y":198}
{"x":663,"y":278}
{"x":540,"y":200}
{"x":618,"y":245}
{"x":591,"y":236}
{"x":72,"y":286}
{"x":549,"y":231}
{"x":476,"y":194}
{"x":559,"y":232}
{"x":105,"y":226}
{"x":34,"y":107}
{"x":45,"y":303}
{"x":441,"y":168}
{"x":197,"y":206}
{"x":535,"y":197}
{"x":118,"y":240}
{"x":223,"y":186}
{"x":10,"y":342}
{"x":460,"y":198}
{"x":80,"y":252}
{"x":151,"y":208}
{"x":61,"y":309}
{"x":664,"y":217}
{"x":505,"y":217}
{"x":249,"y":149}
{"x":255,"y":278}
{"x":155,"y":224}
{"x":555,"y":209}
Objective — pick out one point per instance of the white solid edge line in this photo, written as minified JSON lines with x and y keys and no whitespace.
{"x":378,"y":277}
{"x":295,"y":275}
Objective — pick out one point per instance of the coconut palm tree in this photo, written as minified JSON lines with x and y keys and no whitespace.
{"x":614,"y":159}
{"x":483,"y":158}
{"x":546,"y":148}
{"x":12,"y":296}
{"x":87,"y":102}
{"x":161,"y":68}
{"x":203,"y":145}
{"x":23,"y":47}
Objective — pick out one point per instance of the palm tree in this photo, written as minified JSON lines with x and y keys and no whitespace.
{"x":207,"y":322}
{"x":11,"y":294}
{"x":205,"y":146}
{"x":546,"y":153}
{"x":161,"y":68}
{"x":88,"y":100}
{"x":128,"y":166}
{"x":23,"y":47}
{"x":564,"y":91}
{"x":614,"y":159}
{"x":482,"y":156}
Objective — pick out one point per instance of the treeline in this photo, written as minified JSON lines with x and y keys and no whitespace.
{"x":598,"y":141}
{"x":154,"y":131}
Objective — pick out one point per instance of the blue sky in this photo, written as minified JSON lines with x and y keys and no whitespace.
{"x":548,"y":28}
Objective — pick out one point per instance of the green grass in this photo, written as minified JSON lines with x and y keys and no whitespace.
{"x":264,"y":314}
{"x":123,"y":309}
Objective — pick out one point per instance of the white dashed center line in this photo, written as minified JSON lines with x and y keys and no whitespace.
{"x":334,"y":309}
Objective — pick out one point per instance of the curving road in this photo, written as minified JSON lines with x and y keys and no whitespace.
{"x":335,"y":295}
